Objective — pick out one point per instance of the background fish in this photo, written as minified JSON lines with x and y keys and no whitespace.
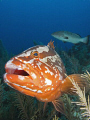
{"x":66,"y":36}
{"x":39,"y":72}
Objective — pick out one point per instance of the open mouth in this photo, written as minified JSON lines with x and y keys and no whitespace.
{"x":20,"y":72}
{"x":20,"y":80}
{"x":15,"y":74}
{"x":13,"y":69}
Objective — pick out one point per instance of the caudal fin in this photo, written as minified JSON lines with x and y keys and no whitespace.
{"x":86,"y":39}
{"x":67,"y":84}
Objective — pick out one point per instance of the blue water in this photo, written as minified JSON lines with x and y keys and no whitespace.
{"x":22,"y":21}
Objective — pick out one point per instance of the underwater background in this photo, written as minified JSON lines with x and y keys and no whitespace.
{"x":22,"y":21}
{"x":25,"y":23}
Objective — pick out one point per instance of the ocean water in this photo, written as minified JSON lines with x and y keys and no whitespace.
{"x":22,"y":21}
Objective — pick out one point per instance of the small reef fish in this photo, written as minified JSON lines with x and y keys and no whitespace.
{"x":39,"y":72}
{"x":66,"y":36}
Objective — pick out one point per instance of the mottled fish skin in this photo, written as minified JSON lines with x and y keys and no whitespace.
{"x":37,"y":72}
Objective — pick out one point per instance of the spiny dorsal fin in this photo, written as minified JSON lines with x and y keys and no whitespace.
{"x":51,"y":44}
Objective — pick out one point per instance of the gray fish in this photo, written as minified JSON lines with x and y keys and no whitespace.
{"x":66,"y":36}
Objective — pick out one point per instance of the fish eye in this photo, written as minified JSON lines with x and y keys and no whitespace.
{"x":35,"y":54}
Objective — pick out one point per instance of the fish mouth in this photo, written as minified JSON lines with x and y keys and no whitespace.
{"x":12,"y":69}
{"x":15,"y":74}
{"x":22,"y":78}
{"x":16,"y":71}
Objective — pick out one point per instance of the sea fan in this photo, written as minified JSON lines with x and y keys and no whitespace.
{"x":68,"y":107}
{"x":84,"y":104}
{"x":31,"y":109}
{"x":70,"y":111}
{"x":20,"y":104}
{"x":86,"y":76}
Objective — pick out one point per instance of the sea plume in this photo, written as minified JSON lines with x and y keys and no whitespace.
{"x":84,"y":103}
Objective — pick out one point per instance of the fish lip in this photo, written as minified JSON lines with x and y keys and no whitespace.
{"x":12,"y":68}
{"x":14,"y":81}
{"x":23,"y":87}
{"x":6,"y":80}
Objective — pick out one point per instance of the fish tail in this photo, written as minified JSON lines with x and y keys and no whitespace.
{"x":86,"y":39}
{"x":67,"y":84}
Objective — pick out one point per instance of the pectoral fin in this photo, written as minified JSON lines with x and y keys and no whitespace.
{"x":67,"y":85}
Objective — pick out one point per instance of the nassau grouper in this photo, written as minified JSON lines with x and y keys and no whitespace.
{"x":39,"y":72}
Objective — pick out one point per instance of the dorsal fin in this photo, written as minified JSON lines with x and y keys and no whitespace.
{"x":78,"y":35}
{"x":51,"y":44}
